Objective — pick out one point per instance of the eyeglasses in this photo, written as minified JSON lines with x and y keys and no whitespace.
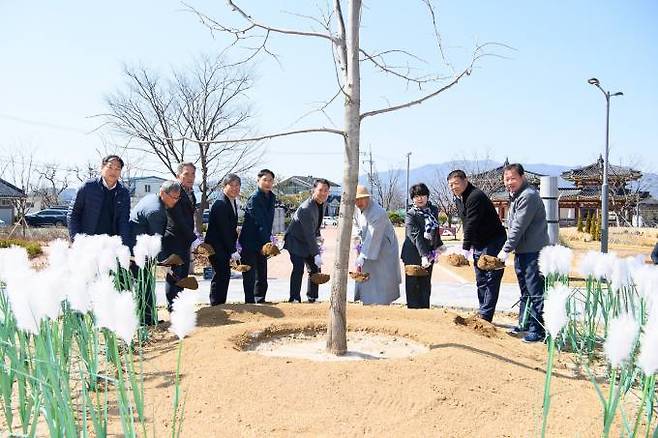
{"x":176,"y":197}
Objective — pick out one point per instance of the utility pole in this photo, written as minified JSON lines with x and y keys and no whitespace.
{"x":371,"y":175}
{"x":406,"y":195}
{"x":370,"y":167}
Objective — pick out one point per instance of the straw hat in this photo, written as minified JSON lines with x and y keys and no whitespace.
{"x":361,"y":192}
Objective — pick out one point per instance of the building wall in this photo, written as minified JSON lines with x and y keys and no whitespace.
{"x":6,"y":214}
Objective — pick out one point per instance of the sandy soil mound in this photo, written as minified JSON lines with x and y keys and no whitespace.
{"x":474,"y":380}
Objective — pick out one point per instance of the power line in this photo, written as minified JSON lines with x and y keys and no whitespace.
{"x":43,"y":124}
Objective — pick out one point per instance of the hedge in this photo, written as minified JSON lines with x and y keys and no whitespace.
{"x":33,"y":248}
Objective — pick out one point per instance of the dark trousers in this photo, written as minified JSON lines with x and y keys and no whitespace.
{"x":254,"y":281}
{"x":219,"y":283}
{"x":176,"y":273}
{"x":297,"y":274}
{"x":418,"y":290}
{"x":146,"y":306}
{"x":488,"y":282}
{"x":531,"y":283}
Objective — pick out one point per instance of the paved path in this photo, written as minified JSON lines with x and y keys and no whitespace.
{"x":452,"y":294}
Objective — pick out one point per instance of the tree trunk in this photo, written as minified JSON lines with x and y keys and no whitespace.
{"x":337,"y":327}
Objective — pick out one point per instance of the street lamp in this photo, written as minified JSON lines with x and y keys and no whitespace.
{"x":604,"y":185}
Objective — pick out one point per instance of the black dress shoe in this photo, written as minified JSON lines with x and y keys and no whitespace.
{"x":311,"y":300}
{"x":295,"y":300}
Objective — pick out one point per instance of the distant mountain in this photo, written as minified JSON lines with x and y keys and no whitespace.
{"x":430,"y":172}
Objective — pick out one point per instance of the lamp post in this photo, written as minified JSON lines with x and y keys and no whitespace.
{"x":604,"y":185}
{"x":407,"y":199}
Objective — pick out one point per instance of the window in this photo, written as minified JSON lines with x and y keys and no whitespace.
{"x":147,"y":188}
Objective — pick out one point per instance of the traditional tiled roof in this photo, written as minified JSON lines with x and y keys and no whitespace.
{"x":595,"y":171}
{"x":306,"y":181}
{"x":496,"y":175}
{"x":8,"y":190}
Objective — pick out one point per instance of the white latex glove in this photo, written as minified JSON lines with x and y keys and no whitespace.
{"x":503,"y":255}
{"x":427,"y":236}
{"x":235,"y":256}
{"x":468,"y":253}
{"x":425,"y":262}
{"x":196,"y":243}
{"x":441,"y":249}
{"x":199,"y":236}
{"x":317,"y":260}
{"x":360,"y":260}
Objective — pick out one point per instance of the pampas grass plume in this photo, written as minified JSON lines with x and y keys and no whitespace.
{"x":183,"y":317}
{"x":622,"y":334}
{"x":555,"y":309}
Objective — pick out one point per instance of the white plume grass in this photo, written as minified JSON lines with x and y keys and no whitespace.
{"x":622,"y":334}
{"x":125,"y":317}
{"x":555,"y":309}
{"x":183,"y":317}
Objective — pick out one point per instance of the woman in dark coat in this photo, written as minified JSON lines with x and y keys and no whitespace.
{"x":422,"y":245}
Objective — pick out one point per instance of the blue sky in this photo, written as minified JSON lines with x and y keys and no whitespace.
{"x":60,"y":59}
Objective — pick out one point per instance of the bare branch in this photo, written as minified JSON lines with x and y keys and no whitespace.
{"x":477,"y":54}
{"x":264,"y":137}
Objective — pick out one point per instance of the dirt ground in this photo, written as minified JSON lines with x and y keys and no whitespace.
{"x":475,"y":380}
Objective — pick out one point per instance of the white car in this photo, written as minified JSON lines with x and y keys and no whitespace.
{"x":329,"y":220}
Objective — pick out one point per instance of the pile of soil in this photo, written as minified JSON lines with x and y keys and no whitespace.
{"x":474,"y":380}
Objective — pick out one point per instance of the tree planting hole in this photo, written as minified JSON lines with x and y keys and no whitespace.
{"x":361,"y":345}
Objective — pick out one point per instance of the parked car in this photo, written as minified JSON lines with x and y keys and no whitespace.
{"x":49,"y":216}
{"x":330,"y":220}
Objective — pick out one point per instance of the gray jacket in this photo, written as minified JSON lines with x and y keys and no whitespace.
{"x":149,"y":216}
{"x":527,"y":230}
{"x":301,"y":235}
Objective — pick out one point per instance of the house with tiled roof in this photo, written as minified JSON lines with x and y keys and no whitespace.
{"x":300,"y":184}
{"x":9,"y":193}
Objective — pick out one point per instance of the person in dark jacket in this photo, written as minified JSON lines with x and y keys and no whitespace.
{"x":483,"y":234}
{"x":422,"y":245}
{"x":222,"y":235}
{"x":179,"y":237}
{"x":102,"y":205}
{"x":527,"y":234}
{"x":654,"y":255}
{"x":149,"y":216}
{"x":302,"y":241}
{"x":256,"y":232}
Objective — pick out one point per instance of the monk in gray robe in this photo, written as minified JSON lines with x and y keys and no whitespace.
{"x":377,"y":252}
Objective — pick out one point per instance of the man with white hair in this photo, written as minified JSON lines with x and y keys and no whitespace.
{"x":377,"y":252}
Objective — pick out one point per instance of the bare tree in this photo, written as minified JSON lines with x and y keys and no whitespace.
{"x":341,"y":31}
{"x":21,"y":170}
{"x":442,"y":196}
{"x":177,"y":119}
{"x":386,"y":187}
{"x":53,"y":180}
{"x":83,"y":172}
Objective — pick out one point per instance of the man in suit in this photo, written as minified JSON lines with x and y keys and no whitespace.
{"x":179,"y":236}
{"x":102,"y":204}
{"x":301,"y":241}
{"x":483,"y":234}
{"x":150,"y":217}
{"x":256,"y":232}
{"x":222,"y":235}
